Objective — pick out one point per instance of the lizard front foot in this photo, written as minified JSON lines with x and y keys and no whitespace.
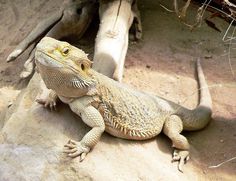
{"x":48,"y":102}
{"x":75,"y":149}
{"x":182,"y":156}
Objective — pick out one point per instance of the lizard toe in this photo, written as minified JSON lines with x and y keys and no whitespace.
{"x":75,"y":149}
{"x":47,"y":103}
{"x":75,"y":154}
{"x":182,"y":156}
{"x":176,"y":156}
{"x":82,"y":156}
{"x":70,"y":150}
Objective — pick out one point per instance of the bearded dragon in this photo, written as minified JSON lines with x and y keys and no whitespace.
{"x":107,"y":105}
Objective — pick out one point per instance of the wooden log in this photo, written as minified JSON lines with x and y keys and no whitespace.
{"x":111,"y":44}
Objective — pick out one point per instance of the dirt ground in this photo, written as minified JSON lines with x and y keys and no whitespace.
{"x":163,"y":62}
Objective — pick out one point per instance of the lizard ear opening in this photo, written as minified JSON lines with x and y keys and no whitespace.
{"x":86,"y":64}
{"x":82,"y":66}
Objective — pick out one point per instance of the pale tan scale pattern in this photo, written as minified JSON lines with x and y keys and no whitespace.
{"x":130,"y":112}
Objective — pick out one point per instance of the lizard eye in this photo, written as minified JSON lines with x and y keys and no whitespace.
{"x":65,"y":51}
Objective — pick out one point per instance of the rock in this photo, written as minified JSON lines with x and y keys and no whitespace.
{"x":7,"y":96}
{"x":33,"y":139}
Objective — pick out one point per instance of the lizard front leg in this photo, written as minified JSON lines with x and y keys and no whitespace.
{"x":50,"y":100}
{"x":172,"y":128}
{"x":92,"y":118}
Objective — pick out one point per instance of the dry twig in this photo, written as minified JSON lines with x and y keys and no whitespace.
{"x":216,"y":166}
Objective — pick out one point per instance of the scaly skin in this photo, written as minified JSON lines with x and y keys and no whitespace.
{"x":107,"y":105}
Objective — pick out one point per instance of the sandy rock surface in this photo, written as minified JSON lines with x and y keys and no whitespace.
{"x":8,"y":96}
{"x":32,"y":137}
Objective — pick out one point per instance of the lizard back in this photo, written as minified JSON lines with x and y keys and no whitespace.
{"x":127,"y":113}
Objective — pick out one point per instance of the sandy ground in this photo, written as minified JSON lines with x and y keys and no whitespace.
{"x":163,"y":62}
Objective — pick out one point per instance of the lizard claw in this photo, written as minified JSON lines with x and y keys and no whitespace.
{"x":182,"y":156}
{"x":75,"y":149}
{"x":47,"y":103}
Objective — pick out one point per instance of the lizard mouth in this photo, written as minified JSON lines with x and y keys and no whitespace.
{"x":49,"y":61}
{"x":46,"y":59}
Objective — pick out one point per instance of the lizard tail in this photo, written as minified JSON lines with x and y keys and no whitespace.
{"x":201,"y":115}
{"x":205,"y":97}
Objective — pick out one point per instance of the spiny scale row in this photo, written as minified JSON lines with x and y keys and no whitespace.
{"x":114,"y":121}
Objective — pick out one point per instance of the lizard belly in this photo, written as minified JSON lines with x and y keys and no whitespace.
{"x":117,"y":133}
{"x":131,"y":129}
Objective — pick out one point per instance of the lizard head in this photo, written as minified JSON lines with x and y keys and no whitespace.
{"x":59,"y":62}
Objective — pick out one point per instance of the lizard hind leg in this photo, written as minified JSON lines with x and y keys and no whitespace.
{"x":172,"y":128}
